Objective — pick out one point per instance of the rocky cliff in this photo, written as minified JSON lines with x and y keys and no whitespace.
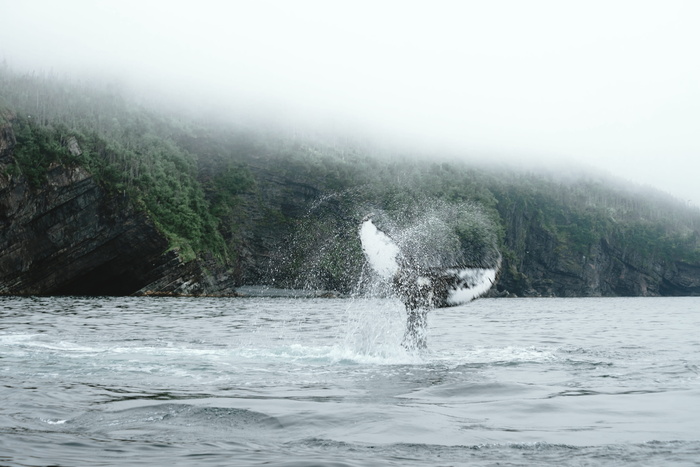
{"x":71,"y":237}
{"x":541,"y":265}
{"x":268,"y":222}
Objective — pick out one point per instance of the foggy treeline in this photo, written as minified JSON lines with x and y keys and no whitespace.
{"x":197,"y":177}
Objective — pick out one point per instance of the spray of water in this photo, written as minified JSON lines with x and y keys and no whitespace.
{"x":427,"y":265}
{"x":422,"y":236}
{"x":373,"y":328}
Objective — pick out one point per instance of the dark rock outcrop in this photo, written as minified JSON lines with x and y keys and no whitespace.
{"x":681,"y":279}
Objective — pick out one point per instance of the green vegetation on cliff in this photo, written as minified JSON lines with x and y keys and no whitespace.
{"x":242,"y":195}
{"x":129,"y":150}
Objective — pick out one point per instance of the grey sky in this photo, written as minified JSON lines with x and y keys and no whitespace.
{"x":613,"y":84}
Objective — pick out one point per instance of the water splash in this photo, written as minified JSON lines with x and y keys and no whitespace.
{"x":373,"y":327}
{"x":425,"y":245}
{"x":427,"y":267}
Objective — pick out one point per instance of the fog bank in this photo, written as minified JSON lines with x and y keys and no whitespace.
{"x":614,"y":85}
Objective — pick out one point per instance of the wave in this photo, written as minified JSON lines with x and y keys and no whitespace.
{"x":674,"y":452}
{"x":348,"y":351}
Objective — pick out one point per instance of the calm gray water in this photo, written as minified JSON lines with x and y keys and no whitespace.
{"x":302,"y":382}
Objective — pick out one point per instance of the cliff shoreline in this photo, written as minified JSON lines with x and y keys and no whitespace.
{"x":72,"y":236}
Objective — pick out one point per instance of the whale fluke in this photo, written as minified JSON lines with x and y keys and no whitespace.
{"x":381,"y":251}
{"x":421,"y":289}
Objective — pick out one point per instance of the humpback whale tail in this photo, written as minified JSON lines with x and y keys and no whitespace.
{"x":421,"y":288}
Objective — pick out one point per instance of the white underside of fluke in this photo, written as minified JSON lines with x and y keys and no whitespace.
{"x":380,"y":250}
{"x":474,"y":282}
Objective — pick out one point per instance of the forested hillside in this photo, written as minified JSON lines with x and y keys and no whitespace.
{"x":236,"y":205}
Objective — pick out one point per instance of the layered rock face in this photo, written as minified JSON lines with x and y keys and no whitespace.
{"x":266,"y":230}
{"x":541,"y":267}
{"x":69,"y":237}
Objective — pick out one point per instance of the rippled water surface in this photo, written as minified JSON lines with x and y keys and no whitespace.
{"x":297,"y":382}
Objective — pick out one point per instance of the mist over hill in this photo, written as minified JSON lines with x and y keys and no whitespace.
{"x":100,"y":194}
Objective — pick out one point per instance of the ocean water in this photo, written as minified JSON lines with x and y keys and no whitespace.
{"x":324,"y":382}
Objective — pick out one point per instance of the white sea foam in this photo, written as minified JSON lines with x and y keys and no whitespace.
{"x":54,"y":422}
{"x":510,"y":354}
{"x":14,"y":339}
{"x":38,"y":341}
{"x":338,"y":354}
